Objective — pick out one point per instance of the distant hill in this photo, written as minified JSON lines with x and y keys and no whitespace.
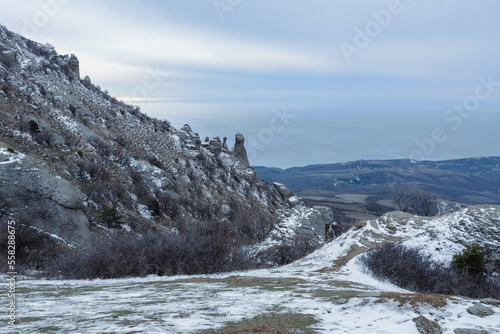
{"x":468,"y":181}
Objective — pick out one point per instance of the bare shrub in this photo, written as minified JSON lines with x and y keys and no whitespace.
{"x":100,"y":145}
{"x":33,"y":248}
{"x":121,"y":141}
{"x":69,"y":140}
{"x":412,"y":199}
{"x":45,"y":137}
{"x":205,"y":248}
{"x":411,"y":269}
{"x":254,"y":225}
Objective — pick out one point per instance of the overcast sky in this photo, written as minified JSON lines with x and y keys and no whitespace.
{"x":306,"y":81}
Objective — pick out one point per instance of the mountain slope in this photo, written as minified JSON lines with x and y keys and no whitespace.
{"x":69,"y":151}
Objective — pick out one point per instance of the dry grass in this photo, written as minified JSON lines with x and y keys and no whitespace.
{"x":269,"y":323}
{"x":414,"y":300}
{"x":359,"y":225}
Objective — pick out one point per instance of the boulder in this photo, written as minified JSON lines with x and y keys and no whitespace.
{"x":490,"y":301}
{"x":303,"y":221}
{"x":293,"y":201}
{"x":8,"y":57}
{"x":314,"y":223}
{"x":479,"y":310}
{"x":282,"y":190}
{"x":426,"y":326}
{"x":469,"y":331}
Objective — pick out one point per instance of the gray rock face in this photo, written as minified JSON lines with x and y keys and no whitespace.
{"x":51,"y":203}
{"x":426,"y":326}
{"x":191,"y":139}
{"x":224,"y":145}
{"x":303,"y":221}
{"x":469,"y":331}
{"x":282,"y":190}
{"x":314,"y":223}
{"x":239,"y":150}
{"x":490,"y":301}
{"x":479,"y":310}
{"x":8,"y":57}
{"x":287,"y":195}
{"x":74,"y":65}
{"x":295,"y":200}
{"x":87,"y":80}
{"x":215,"y":146}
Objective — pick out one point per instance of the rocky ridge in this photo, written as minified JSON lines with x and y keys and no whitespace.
{"x":69,"y":150}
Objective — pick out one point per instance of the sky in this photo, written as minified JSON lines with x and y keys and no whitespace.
{"x":306,"y":81}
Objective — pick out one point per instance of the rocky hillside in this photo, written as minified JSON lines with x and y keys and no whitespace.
{"x":440,"y":237}
{"x":69,"y":152}
{"x":329,"y":291}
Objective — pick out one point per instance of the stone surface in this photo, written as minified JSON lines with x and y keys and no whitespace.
{"x":8,"y":57}
{"x":74,"y":65}
{"x":51,"y":203}
{"x":282,"y":190}
{"x":87,"y":80}
{"x":224,"y":145}
{"x":295,"y":200}
{"x":426,"y":326}
{"x":490,"y":301}
{"x":190,"y":139}
{"x":239,"y":151}
{"x":215,"y":145}
{"x":480,"y":310}
{"x":469,"y":331}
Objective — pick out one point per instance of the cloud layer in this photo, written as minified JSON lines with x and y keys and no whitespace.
{"x":233,"y":62}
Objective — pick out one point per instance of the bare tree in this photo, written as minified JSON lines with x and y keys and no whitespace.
{"x":424,"y":201}
{"x":401,"y":197}
{"x":418,"y":200}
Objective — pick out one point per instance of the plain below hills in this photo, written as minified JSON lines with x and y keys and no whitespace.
{"x":466,"y":181}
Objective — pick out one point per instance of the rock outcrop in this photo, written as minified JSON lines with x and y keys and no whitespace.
{"x":190,"y":139}
{"x":469,"y":331}
{"x":48,"y":201}
{"x":239,"y":151}
{"x":8,"y":57}
{"x":215,"y":146}
{"x":300,"y":219}
{"x":480,"y":310}
{"x":74,"y":65}
{"x":224,"y":145}
{"x":426,"y":326}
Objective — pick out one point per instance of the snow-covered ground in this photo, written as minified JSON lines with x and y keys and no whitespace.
{"x":342,"y":298}
{"x":346,"y":301}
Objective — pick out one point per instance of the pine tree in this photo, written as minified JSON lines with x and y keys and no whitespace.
{"x":111,"y":218}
